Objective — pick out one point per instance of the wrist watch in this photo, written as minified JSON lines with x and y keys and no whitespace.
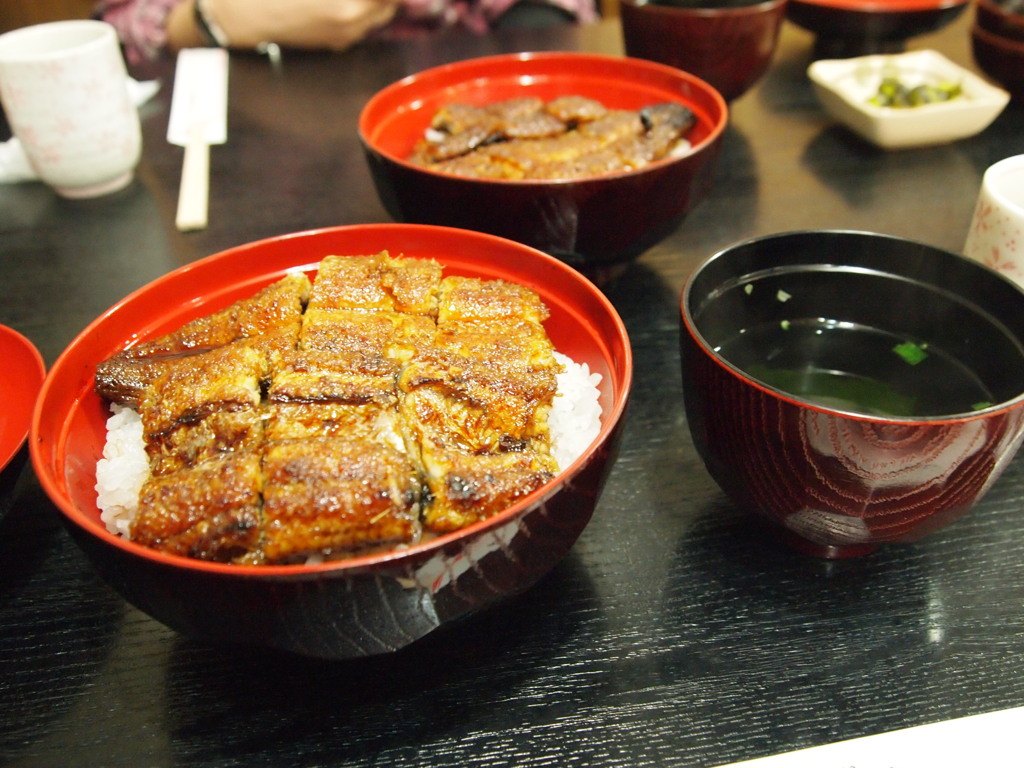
{"x":209,"y":29}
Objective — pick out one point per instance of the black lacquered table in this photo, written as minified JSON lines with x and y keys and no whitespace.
{"x":674,"y":634}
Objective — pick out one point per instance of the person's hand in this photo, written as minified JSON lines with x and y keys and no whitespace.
{"x":332,"y":24}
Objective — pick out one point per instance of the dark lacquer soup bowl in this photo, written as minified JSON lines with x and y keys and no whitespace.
{"x":852,"y":388}
{"x":729,"y":43}
{"x":1000,"y":57}
{"x":1004,"y":18}
{"x":362,"y":605}
{"x":597,"y":224}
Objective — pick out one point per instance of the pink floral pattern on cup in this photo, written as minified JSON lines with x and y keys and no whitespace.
{"x":64,"y":90}
{"x":996,"y":236}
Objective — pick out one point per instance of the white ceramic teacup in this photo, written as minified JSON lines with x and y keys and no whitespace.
{"x":996,"y":236}
{"x":64,"y":91}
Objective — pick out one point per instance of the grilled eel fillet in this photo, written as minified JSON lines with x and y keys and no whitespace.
{"x":380,"y":402}
{"x":567,"y":138}
{"x":268,"y":319}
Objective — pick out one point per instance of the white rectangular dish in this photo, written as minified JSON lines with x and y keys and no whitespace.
{"x":845,"y":88}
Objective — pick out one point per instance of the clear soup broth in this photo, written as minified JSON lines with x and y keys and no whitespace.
{"x":857,"y":368}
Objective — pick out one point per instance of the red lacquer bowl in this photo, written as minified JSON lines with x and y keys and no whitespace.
{"x":999,"y":18}
{"x":22,"y":378}
{"x":366,"y":605}
{"x":870,"y":463}
{"x":594,"y":224}
{"x":1000,"y":58}
{"x":730,"y":47}
{"x":847,"y":28}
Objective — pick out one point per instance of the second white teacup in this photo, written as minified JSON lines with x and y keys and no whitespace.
{"x":996,"y":236}
{"x":64,"y":91}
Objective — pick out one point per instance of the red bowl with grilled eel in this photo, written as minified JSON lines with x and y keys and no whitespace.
{"x":597,"y":224}
{"x":362,"y":604}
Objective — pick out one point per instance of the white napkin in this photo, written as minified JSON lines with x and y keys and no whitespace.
{"x":14,"y":164}
{"x":991,"y":739}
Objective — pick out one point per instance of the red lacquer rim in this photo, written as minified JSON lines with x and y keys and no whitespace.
{"x":884,"y":6}
{"x":655,"y":9}
{"x":1006,"y":45}
{"x":584,"y":325}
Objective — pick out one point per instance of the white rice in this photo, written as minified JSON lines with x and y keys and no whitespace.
{"x":122,"y":470}
{"x":575,"y":417}
{"x":574,"y":421}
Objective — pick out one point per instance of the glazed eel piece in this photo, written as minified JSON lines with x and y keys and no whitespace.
{"x":379,"y":403}
{"x":567,"y":138}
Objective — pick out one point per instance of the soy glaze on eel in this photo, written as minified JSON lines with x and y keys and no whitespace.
{"x":374,"y":405}
{"x":569,"y":137}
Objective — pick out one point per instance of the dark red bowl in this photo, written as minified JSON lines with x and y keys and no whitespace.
{"x":847,"y":28}
{"x":1000,"y":58}
{"x":594,"y":224}
{"x":364,"y":605}
{"x":730,"y":47}
{"x":835,"y":478}
{"x":998,"y":18}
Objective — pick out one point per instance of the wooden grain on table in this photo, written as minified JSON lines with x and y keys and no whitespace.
{"x":673,"y":635}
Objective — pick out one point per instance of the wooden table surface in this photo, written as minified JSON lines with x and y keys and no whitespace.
{"x":673,"y":634}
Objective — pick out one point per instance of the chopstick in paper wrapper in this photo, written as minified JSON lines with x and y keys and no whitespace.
{"x":198,"y":119}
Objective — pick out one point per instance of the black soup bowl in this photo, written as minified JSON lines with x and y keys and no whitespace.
{"x":852,"y":388}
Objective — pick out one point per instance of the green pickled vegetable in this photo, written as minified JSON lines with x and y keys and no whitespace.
{"x":893,"y":93}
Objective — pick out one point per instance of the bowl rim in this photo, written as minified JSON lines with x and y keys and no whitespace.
{"x":1014,"y":164}
{"x":84,"y":521}
{"x":882,"y":6}
{"x":997,"y":9}
{"x":691,"y":329}
{"x":753,"y":9}
{"x":497,"y":60}
{"x":994,"y":39}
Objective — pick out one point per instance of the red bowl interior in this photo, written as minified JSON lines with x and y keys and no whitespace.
{"x":68,"y":425}
{"x":23,"y":376}
{"x":397,"y":116}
